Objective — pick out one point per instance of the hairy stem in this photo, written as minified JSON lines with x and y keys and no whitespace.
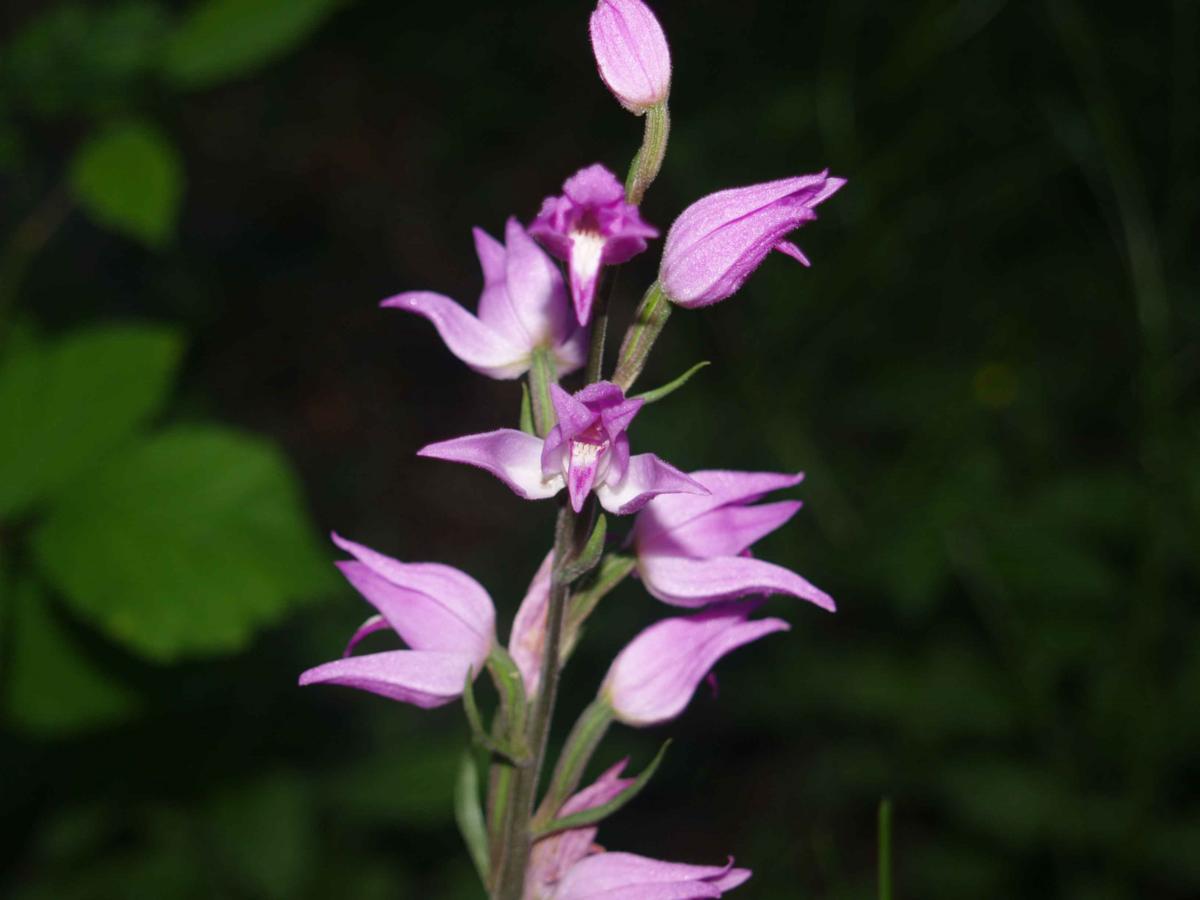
{"x":649,"y":159}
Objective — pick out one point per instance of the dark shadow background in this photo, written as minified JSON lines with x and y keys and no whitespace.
{"x":990,"y":375}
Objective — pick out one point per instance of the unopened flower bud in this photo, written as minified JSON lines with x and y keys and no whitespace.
{"x":631,"y":53}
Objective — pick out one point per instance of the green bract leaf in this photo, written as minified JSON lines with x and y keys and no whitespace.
{"x":222,"y":39}
{"x":53,"y":687}
{"x":129,"y":178}
{"x":65,"y":404}
{"x":184,"y":545}
{"x":673,"y":386}
{"x":469,"y":815}
{"x":599,"y":813}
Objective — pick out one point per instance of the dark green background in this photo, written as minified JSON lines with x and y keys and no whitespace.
{"x":990,"y":375}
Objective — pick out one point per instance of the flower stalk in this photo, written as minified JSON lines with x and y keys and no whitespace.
{"x":649,"y":159}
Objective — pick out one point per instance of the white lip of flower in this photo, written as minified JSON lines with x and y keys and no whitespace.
{"x":583,"y":454}
{"x":586,"y":247}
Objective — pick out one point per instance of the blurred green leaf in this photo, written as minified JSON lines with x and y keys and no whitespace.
{"x":82,"y":56}
{"x":184,"y":545}
{"x":418,"y":793}
{"x":223,"y":39}
{"x":129,"y":178}
{"x":65,"y":404}
{"x":265,"y":835}
{"x":53,"y":687}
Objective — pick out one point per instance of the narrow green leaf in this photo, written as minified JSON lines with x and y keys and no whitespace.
{"x":599,"y":813}
{"x":129,"y":178}
{"x":54,"y":688}
{"x":223,"y":39}
{"x":671,"y":387}
{"x":66,"y":404}
{"x":469,"y":815}
{"x":526,"y":410}
{"x":184,"y":545}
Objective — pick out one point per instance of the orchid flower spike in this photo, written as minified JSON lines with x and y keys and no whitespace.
{"x":590,"y":226}
{"x":586,"y":451}
{"x":653,"y":679}
{"x":631,"y":53}
{"x":523,"y":307}
{"x":718,"y":241}
{"x":566,"y":865}
{"x":694,"y":550}
{"x":444,"y":615}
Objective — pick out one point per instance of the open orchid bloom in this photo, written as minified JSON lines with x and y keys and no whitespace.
{"x":718,"y":241}
{"x":631,"y":53}
{"x":586,"y":451}
{"x":694,"y":550}
{"x":523,"y":307}
{"x":653,"y":679}
{"x":591,"y":225}
{"x":625,"y":876}
{"x":443,"y":615}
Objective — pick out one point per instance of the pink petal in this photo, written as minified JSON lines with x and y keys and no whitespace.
{"x":529,"y":628}
{"x":790,"y":249}
{"x":495,"y":306}
{"x":367,"y":628}
{"x":653,"y":679}
{"x":512,"y":456}
{"x":480,"y":346}
{"x":723,"y":207}
{"x":612,"y":875}
{"x":535,"y":288}
{"x":725,"y":487}
{"x":724,"y":531}
{"x":424,"y":622}
{"x":698,"y":582}
{"x":573,"y":414}
{"x":458,"y":593}
{"x":421,"y":678}
{"x":645,"y":477}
